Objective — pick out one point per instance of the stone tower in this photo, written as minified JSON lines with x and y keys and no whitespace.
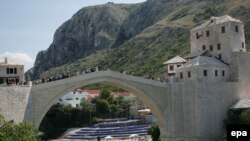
{"x":220,"y":36}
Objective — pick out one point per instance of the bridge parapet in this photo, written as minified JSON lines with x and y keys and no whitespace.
{"x":100,"y":74}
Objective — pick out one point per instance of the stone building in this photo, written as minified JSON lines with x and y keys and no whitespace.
{"x":212,"y":46}
{"x":11,"y":72}
{"x":220,"y":36}
{"x":173,"y":64}
{"x":203,"y":68}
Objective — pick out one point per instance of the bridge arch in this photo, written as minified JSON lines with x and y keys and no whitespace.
{"x":152,"y":93}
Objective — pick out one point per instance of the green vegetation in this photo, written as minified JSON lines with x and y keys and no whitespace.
{"x":238,"y":116}
{"x":154,"y":131}
{"x":60,"y":118}
{"x":10,"y":131}
{"x":180,"y":14}
{"x":144,"y":52}
{"x":208,"y":12}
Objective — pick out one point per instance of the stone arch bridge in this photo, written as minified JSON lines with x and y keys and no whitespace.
{"x":184,"y":111}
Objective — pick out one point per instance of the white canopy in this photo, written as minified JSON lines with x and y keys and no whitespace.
{"x":108,"y":137}
{"x":145,"y":110}
{"x":133,"y":135}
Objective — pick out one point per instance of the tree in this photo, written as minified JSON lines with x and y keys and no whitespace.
{"x":102,"y":108}
{"x":86,"y":105}
{"x":245,"y":117}
{"x":107,"y":96}
{"x":154,"y":131}
{"x":23,"y":131}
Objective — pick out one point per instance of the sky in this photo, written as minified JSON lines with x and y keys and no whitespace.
{"x":28,"y":26}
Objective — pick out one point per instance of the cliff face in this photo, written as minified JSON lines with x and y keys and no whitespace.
{"x":141,"y":36}
{"x":90,"y":29}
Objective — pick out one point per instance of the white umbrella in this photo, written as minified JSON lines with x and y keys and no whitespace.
{"x":133,"y":135}
{"x":144,"y":110}
{"x":108,"y":138}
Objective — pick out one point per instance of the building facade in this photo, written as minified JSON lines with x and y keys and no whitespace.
{"x":212,"y":46}
{"x":11,"y":73}
{"x":220,"y":36}
{"x":74,"y":98}
{"x":173,"y":64}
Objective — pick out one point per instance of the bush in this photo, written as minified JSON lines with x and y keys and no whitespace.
{"x":10,"y":131}
{"x":154,"y":131}
{"x":238,"y":116}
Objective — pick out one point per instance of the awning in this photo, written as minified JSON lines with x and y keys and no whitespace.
{"x":242,"y":104}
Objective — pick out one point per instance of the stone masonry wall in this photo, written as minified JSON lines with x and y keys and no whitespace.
{"x":13,"y":102}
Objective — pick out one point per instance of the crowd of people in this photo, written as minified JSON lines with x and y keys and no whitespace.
{"x":63,"y":76}
{"x":86,"y":71}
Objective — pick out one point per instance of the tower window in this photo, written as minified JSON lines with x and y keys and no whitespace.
{"x":216,"y":72}
{"x":236,"y":28}
{"x":220,"y":56}
{"x":223,"y":29}
{"x":204,"y":47}
{"x":211,"y":47}
{"x":8,"y":71}
{"x":181,"y":75}
{"x":11,"y":70}
{"x":189,"y":74}
{"x":218,"y":46}
{"x":223,"y":73}
{"x":205,"y":72}
{"x":207,"y":33}
{"x":15,"y":71}
{"x":171,"y":67}
{"x":243,"y":45}
{"x":197,"y":35}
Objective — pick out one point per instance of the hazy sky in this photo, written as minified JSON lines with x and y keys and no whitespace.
{"x":28,"y":26}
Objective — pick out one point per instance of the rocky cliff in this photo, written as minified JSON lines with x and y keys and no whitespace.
{"x":90,"y":29}
{"x":142,"y":36}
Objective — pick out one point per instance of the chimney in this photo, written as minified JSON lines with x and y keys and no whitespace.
{"x":6,"y":60}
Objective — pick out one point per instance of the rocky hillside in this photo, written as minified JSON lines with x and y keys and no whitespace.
{"x":142,"y":36}
{"x":89,"y":30}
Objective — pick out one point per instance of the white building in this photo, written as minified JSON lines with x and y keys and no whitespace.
{"x":11,"y":72}
{"x":74,"y":98}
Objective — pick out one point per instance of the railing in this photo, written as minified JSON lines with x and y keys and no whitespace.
{"x":24,"y":84}
{"x":62,"y":77}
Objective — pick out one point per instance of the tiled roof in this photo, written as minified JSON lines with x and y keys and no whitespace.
{"x":176,"y":59}
{"x":96,"y":92}
{"x":204,"y":61}
{"x":217,"y":20}
{"x":195,"y":54}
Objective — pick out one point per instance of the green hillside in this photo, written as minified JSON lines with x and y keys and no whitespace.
{"x":142,"y":48}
